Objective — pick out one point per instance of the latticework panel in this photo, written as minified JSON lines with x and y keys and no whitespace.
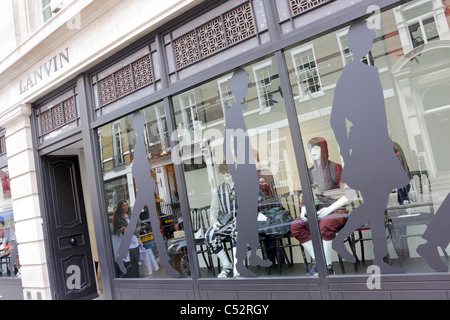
{"x":185,"y":49}
{"x":300,"y":6}
{"x":46,"y":122}
{"x":124,"y":84}
{"x":225,"y":30}
{"x":106,"y":90}
{"x":57,"y":116}
{"x":142,"y":72}
{"x":2,"y":145}
{"x":70,"y":111}
{"x":239,"y":24}
{"x":211,"y":37}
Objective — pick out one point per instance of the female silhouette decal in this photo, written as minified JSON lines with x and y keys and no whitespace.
{"x":146,"y":188}
{"x":241,"y":165}
{"x":370,"y":165}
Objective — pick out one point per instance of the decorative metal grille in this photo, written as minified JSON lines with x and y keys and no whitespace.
{"x":70,"y":111}
{"x":2,"y":145}
{"x":58,"y":115}
{"x":128,"y":79}
{"x":142,"y":72}
{"x":225,"y":30}
{"x":186,"y":51}
{"x":123,"y":82}
{"x":106,"y":90}
{"x":211,"y":37}
{"x":300,"y":6}
{"x":239,"y":24}
{"x":46,"y":121}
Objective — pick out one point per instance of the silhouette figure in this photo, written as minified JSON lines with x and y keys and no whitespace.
{"x":370,"y":166}
{"x":241,"y":165}
{"x":146,"y":188}
{"x":437,"y":235}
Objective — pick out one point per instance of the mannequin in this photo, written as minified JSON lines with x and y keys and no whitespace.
{"x":223,"y":200}
{"x":325,"y":175}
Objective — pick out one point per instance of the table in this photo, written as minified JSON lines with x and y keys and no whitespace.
{"x":404,"y":216}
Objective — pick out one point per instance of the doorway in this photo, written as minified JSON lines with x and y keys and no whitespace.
{"x":71,"y":240}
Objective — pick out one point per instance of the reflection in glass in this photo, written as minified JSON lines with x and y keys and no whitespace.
{"x":414,"y":84}
{"x":143,"y":257}
{"x":9,"y":259}
{"x":213,"y":192}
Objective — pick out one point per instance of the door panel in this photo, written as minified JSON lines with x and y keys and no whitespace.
{"x":68,"y":233}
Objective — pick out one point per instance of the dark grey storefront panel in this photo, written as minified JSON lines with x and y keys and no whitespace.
{"x":11,"y":289}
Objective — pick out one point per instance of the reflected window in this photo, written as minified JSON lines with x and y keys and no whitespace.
{"x":306,"y":71}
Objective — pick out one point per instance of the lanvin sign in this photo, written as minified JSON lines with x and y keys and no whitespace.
{"x":44,"y":72}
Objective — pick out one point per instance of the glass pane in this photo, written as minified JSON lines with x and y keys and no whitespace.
{"x":262,"y":195}
{"x":140,"y":190}
{"x":401,"y":228}
{"x":9,"y":259}
{"x":431,"y":31}
{"x":417,"y":37}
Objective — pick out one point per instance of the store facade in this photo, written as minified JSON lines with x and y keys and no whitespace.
{"x":146,"y":127}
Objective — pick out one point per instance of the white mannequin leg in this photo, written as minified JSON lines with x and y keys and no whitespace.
{"x":235,"y":272}
{"x":309,"y":248}
{"x":223,"y":258}
{"x":328,"y":250}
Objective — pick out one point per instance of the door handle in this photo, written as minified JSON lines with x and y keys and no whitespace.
{"x":73,"y":242}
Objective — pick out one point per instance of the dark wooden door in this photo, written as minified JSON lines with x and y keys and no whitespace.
{"x":72,"y":262}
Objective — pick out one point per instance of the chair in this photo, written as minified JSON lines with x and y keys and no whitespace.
{"x":419,"y":212}
{"x":352,"y":240}
{"x":366,"y":227}
{"x":200,"y":224}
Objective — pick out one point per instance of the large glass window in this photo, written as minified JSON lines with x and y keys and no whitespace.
{"x":136,"y":155}
{"x":240,"y":217}
{"x":414,"y":87}
{"x":9,"y":259}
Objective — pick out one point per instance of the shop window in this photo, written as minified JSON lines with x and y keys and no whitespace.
{"x":212,"y":193}
{"x":417,"y":124}
{"x":155,"y":209}
{"x":9,"y":259}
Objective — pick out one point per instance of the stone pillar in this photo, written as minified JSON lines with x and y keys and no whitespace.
{"x":25,"y":203}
